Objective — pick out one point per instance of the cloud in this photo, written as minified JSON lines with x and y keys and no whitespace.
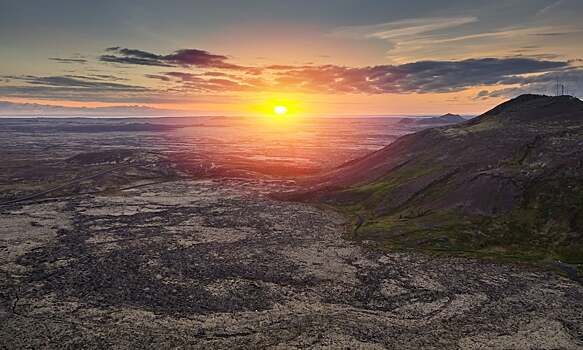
{"x":425,"y":76}
{"x":403,"y":29}
{"x":213,"y":83}
{"x":74,"y":81}
{"x":106,"y":77}
{"x":417,"y":77}
{"x":215,"y":74}
{"x":158,"y":77}
{"x":413,"y":37}
{"x":459,"y":37}
{"x":180,"y":87}
{"x":284,"y":67}
{"x":545,"y":10}
{"x":183,"y":76}
{"x":127,"y":56}
{"x":551,"y":34}
{"x":69,"y":60}
{"x":184,"y":58}
{"x":74,"y":88}
{"x":199,"y":58}
{"x":545,"y":84}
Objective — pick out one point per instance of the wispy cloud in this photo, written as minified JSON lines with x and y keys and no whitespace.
{"x":403,"y":29}
{"x":456,"y":37}
{"x":549,"y":8}
{"x":405,"y":37}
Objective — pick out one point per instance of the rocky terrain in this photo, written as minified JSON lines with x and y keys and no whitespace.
{"x":507,"y":184}
{"x":217,"y":264}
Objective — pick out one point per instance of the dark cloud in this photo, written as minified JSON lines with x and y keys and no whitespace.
{"x":183,"y":76}
{"x":92,"y":94}
{"x":135,"y":53}
{"x":551,"y":34}
{"x":215,"y":74}
{"x":571,"y":75}
{"x":199,"y":58}
{"x":107,"y":77}
{"x":184,"y":58}
{"x":483,"y":94}
{"x":545,"y":84}
{"x":74,"y":88}
{"x":97,"y":77}
{"x":417,"y":77}
{"x":74,"y":81}
{"x":69,"y":60}
{"x":133,"y":60}
{"x":133,"y":56}
{"x":158,"y":77}
{"x":439,"y":76}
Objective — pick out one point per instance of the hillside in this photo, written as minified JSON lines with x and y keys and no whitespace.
{"x":441,"y":120}
{"x":507,"y":183}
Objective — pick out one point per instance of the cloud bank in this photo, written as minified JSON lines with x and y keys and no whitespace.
{"x":187,"y":73}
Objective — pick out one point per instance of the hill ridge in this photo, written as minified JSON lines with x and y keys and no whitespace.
{"x":508,"y":182}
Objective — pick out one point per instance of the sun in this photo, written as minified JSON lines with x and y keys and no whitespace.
{"x":280,"y":110}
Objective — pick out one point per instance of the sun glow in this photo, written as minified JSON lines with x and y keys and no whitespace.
{"x":280,"y":110}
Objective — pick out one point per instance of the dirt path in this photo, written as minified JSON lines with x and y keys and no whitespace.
{"x":202,"y":264}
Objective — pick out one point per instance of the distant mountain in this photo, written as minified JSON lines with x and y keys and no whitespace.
{"x":13,"y":109}
{"x":78,"y":125}
{"x":507,"y":183}
{"x":441,"y":120}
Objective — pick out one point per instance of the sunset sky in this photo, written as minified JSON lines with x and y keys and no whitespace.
{"x":341,"y":57}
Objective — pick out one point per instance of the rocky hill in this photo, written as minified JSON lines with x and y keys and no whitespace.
{"x":507,"y":183}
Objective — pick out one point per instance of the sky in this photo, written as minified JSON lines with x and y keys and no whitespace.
{"x":341,"y":57}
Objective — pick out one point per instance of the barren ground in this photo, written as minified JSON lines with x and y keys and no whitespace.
{"x":217,"y":264}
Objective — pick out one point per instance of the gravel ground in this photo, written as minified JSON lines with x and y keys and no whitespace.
{"x":209,"y":264}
